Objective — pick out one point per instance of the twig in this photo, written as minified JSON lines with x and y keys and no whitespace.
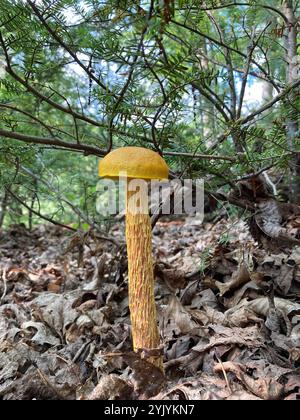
{"x":270,"y":104}
{"x":92,"y":150}
{"x":80,"y":351}
{"x":256,"y":174}
{"x":224,"y":373}
{"x":86,"y":149}
{"x":224,"y":45}
{"x":67,"y":48}
{"x":15,"y":109}
{"x":38,"y":213}
{"x":49,"y":385}
{"x":248,"y":67}
{"x":200,"y":156}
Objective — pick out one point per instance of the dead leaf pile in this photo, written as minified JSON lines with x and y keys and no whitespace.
{"x":229,"y":316}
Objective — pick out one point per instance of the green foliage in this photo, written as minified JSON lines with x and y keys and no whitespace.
{"x":162,"y":74}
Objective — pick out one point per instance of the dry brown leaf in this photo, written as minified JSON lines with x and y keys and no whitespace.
{"x":112,"y":387}
{"x":239,"y":278}
{"x":177,"y":320}
{"x":264,"y":388}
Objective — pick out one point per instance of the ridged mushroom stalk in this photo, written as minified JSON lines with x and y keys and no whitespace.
{"x":139,"y":164}
{"x":141,"y":285}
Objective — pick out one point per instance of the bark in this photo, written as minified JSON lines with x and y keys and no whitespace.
{"x":292,"y":70}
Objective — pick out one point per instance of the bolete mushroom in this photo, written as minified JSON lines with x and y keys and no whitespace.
{"x":139,"y":164}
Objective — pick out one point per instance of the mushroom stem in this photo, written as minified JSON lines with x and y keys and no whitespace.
{"x":141,"y":283}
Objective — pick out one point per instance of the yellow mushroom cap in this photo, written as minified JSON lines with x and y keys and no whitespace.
{"x":137,"y":162}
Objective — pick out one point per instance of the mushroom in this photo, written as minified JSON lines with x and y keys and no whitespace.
{"x":139,"y":164}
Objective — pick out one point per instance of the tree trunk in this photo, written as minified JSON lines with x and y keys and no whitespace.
{"x":33,"y":199}
{"x":208,"y":118}
{"x":292,"y":75}
{"x":3,"y":208}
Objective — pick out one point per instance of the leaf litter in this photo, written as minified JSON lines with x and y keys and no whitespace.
{"x":229,"y":316}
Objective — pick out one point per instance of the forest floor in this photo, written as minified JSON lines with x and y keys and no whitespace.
{"x":65,"y":327}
